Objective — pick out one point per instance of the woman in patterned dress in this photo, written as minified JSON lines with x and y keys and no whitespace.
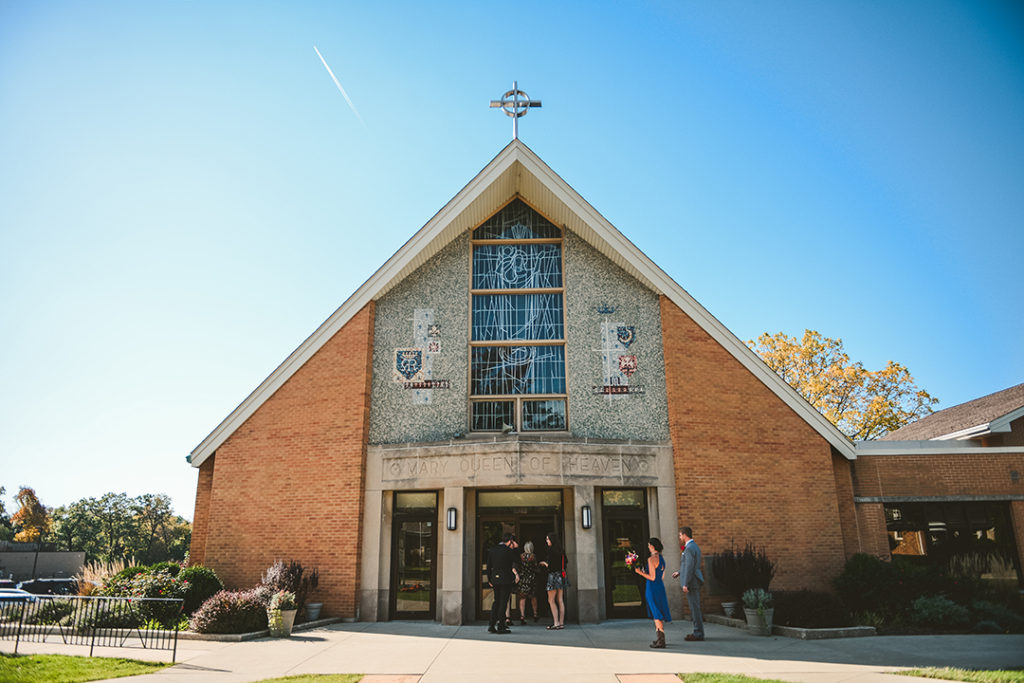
{"x":527,"y":581}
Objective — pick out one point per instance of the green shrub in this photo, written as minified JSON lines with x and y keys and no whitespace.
{"x":986,"y":627}
{"x":50,"y":612}
{"x":810,"y":609}
{"x":203,"y":583}
{"x":117,"y":585}
{"x":867,"y":584}
{"x":231,"y":612}
{"x":146,"y":582}
{"x":939,"y":612}
{"x":158,"y":584}
{"x":109,"y":616}
{"x":1006,"y":618}
{"x":172,"y":568}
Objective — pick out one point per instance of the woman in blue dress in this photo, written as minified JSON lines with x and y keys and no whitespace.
{"x":657,"y":600}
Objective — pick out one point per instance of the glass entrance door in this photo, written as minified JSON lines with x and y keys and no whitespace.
{"x":625,"y":529}
{"x":413,"y":551}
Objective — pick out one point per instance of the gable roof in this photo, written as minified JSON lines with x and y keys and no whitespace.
{"x":518,"y":170}
{"x":985,"y":415}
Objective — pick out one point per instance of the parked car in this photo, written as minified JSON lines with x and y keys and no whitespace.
{"x":49,"y":586}
{"x":15,"y":595}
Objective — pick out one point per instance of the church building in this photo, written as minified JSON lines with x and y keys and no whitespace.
{"x":519,"y":365}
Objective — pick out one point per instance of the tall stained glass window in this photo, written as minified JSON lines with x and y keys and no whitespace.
{"x":517,"y":343}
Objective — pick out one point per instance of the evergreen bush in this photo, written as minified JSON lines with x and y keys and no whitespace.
{"x":939,"y":612}
{"x":868,"y":584}
{"x":203,"y":583}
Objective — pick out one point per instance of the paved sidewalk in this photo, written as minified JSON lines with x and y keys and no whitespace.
{"x":611,"y":652}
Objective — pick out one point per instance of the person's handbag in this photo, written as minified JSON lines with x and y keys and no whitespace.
{"x":563,"y":566}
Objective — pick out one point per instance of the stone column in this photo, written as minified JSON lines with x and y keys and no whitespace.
{"x":586,"y":558}
{"x":373,"y":572}
{"x":449,"y":594}
{"x":1017,"y":516}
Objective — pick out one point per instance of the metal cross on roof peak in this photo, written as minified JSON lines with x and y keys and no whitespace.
{"x":515,"y":103}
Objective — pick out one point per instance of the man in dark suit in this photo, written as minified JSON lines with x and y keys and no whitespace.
{"x":502,"y":579}
{"x":691,"y":578}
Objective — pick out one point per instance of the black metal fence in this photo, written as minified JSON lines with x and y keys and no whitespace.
{"x":92,"y":621}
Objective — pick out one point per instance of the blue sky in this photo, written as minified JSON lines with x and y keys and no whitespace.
{"x":185,"y":195}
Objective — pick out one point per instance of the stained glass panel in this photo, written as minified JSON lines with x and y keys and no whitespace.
{"x":510,"y":370}
{"x":517,"y":316}
{"x":517,"y":221}
{"x":544,"y":415}
{"x":490,"y":416}
{"x":517,"y":266}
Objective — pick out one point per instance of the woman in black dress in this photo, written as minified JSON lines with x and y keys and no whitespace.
{"x":558,"y":580}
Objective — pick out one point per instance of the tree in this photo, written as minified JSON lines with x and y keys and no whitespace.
{"x":115,"y":527}
{"x":32,"y":520}
{"x":6,"y":526}
{"x":861,"y":403}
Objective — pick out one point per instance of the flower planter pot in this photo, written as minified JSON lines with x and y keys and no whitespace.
{"x":280,"y":622}
{"x":731,"y":609}
{"x":758,"y":624}
{"x":313,"y":610}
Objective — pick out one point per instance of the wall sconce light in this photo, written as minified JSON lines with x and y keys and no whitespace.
{"x":452,"y":519}
{"x":586,"y":517}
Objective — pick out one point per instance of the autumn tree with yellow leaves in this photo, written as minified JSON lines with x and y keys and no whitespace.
{"x":863,"y":404}
{"x":32,"y":520}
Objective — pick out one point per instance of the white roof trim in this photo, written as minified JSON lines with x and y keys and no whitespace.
{"x":1000,"y":424}
{"x":931,"y":447}
{"x":608,"y":239}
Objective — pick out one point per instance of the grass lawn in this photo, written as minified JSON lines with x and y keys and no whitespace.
{"x":1016,"y":676}
{"x":65,"y":669}
{"x":725,"y":678}
{"x":316,"y":678}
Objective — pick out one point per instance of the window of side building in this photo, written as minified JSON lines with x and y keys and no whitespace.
{"x":517,"y":340}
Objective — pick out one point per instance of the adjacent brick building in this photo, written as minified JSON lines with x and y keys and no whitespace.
{"x":519,"y":365}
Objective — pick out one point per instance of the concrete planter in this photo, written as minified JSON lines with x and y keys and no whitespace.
{"x":759,"y":624}
{"x":280,"y":622}
{"x":731,"y":609}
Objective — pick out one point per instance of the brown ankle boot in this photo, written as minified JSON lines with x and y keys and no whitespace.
{"x":659,"y":643}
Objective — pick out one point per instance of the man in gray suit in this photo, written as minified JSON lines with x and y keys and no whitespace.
{"x":691,"y":578}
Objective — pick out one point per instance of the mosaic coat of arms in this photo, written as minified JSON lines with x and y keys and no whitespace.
{"x":627,"y":365}
{"x":625,"y":334}
{"x":408,"y":364}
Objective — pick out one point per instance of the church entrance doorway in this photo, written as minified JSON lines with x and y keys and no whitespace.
{"x":530,"y":515}
{"x":414,"y":556}
{"x":625,"y":528}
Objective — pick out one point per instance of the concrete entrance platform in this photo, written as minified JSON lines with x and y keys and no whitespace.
{"x":611,"y":652}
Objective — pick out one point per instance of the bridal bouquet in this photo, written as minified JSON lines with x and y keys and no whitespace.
{"x":632,"y":560}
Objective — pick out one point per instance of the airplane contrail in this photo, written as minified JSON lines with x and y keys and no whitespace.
{"x":345,"y":94}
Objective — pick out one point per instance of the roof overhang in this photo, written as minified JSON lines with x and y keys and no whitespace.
{"x":517,"y":170}
{"x":999,"y":425}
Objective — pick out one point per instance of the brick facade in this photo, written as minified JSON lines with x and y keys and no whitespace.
{"x":952,"y":476}
{"x":201,"y":518}
{"x":961,"y":474}
{"x":748,"y":468}
{"x":288,"y":484}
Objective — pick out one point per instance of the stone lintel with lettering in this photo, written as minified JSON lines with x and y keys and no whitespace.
{"x":505,"y":463}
